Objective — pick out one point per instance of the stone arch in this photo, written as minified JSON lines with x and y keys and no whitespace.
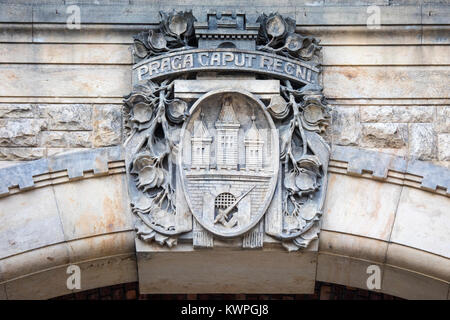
{"x":380,"y":210}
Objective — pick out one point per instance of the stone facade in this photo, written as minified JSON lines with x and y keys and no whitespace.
{"x":62,"y":90}
{"x":33,"y":131}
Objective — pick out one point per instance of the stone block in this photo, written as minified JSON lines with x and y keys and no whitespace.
{"x":410,"y":285}
{"x":344,"y":270}
{"x":66,"y":139}
{"x":65,"y":53}
{"x":108,"y":271}
{"x":353,"y":246}
{"x":107,"y":125}
{"x":48,"y":80}
{"x":39,"y":286}
{"x":32,"y":261}
{"x":67,"y":116}
{"x":17,"y":110}
{"x":397,"y":114}
{"x":15,"y":13}
{"x":89,"y":34}
{"x":385,"y":82}
{"x":20,"y":132}
{"x":101,"y":246}
{"x":444,"y":147}
{"x":422,"y":141}
{"x":223,"y":271}
{"x":94,"y":206}
{"x":346,"y":126}
{"x":13,"y":32}
{"x":366,"y":209}
{"x":21,"y":153}
{"x":3,"y":295}
{"x":443,"y":119}
{"x":196,"y":88}
{"x":377,"y":55}
{"x":24,"y":216}
{"x":420,"y":261}
{"x":359,"y":36}
{"x":384,"y":135}
{"x":422,"y":221}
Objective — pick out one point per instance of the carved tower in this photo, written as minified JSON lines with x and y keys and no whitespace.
{"x":227,"y":136}
{"x":201,"y":145}
{"x":253,"y":148}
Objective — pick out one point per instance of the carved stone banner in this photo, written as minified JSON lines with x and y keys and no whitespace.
{"x":225,"y":60}
{"x":229,"y":157}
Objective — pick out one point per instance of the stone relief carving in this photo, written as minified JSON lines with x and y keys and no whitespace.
{"x":227,"y":164}
{"x":175,"y":32}
{"x":277,"y":35}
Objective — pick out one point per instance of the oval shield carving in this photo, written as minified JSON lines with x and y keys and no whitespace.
{"x":229,"y":161}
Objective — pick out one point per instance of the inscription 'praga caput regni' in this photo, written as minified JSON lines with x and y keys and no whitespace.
{"x":229,"y":162}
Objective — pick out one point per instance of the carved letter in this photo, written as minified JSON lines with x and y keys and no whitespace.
{"x":176,"y":63}
{"x":227,"y":57}
{"x":266,"y":62}
{"x":142,"y":70}
{"x":188,"y":60}
{"x":215,"y":59}
{"x":200,"y":58}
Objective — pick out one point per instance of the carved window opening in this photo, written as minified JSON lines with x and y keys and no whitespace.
{"x":224,"y":201}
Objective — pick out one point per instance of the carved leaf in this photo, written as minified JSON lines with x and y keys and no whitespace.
{"x":140,"y":50}
{"x":178,"y":24}
{"x":142,"y":112}
{"x":275,"y":25}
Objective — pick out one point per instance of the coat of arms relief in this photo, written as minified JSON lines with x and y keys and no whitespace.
{"x":224,"y":132}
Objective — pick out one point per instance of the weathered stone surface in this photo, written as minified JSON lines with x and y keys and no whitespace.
{"x":444,"y":147}
{"x":17,"y":111}
{"x":422,"y":221}
{"x":21,"y":153}
{"x":381,"y":55}
{"x":66,"y":139}
{"x":107,"y":125}
{"x":35,"y":260}
{"x":37,"y":206}
{"x":5,"y":164}
{"x":235,"y":271}
{"x":343,"y":270}
{"x":337,"y":243}
{"x":443,"y":119}
{"x":411,"y":285}
{"x":94,"y":206}
{"x":13,"y":32}
{"x":47,"y":80}
{"x":346,"y":126}
{"x":360,"y":161}
{"x":384,"y":135}
{"x":20,"y":132}
{"x":397,"y":114}
{"x":386,"y":82}
{"x":422,"y":141}
{"x":418,"y":260}
{"x":65,"y":53}
{"x":39,"y":285}
{"x":58,"y":151}
{"x":67,"y":117}
{"x":366,"y":209}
